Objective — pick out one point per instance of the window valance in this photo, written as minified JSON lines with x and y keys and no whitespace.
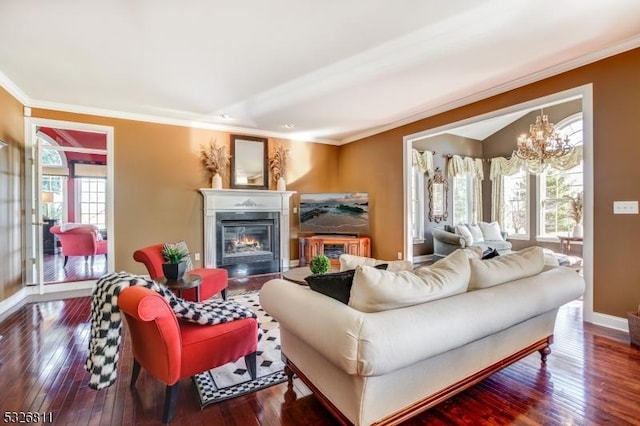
{"x":423,"y":162}
{"x":501,"y":166}
{"x":458,"y":165}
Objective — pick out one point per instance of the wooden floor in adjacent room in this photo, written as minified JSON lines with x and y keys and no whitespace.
{"x":592,"y":378}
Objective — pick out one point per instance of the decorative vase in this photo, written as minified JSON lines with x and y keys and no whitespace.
{"x":174,"y":271}
{"x":281,"y":185}
{"x":577,"y":231}
{"x":216,"y":181}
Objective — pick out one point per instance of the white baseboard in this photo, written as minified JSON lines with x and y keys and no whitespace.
{"x":610,"y":321}
{"x":293,"y":263}
{"x":13,"y":302}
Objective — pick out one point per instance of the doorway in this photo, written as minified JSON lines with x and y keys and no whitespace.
{"x":69,"y":178}
{"x":584,"y":95}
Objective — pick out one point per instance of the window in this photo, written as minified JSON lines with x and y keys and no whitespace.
{"x":417,"y":205}
{"x":554,"y":186}
{"x":462,"y":199}
{"x":516,"y":205}
{"x":54,"y":181}
{"x":92,"y":201}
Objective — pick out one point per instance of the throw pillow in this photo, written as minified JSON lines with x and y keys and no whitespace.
{"x":349,"y":261}
{"x":182,"y":246}
{"x":450,"y":228}
{"x":466,"y":234}
{"x":476,"y":233}
{"x":336,"y":285}
{"x":375,"y":290}
{"x":490,"y":253}
{"x":491,"y":231}
{"x":509,"y":267}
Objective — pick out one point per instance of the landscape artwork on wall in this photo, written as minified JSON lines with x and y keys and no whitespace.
{"x":335,"y":213}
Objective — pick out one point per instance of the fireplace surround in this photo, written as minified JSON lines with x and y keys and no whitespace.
{"x":246,"y":231}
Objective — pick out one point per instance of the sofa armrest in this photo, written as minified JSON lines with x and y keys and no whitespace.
{"x":327,"y":325}
{"x":448,"y":237}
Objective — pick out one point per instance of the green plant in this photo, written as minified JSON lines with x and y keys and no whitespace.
{"x":320,"y":264}
{"x":174,"y":255}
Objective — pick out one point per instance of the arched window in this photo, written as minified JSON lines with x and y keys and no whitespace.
{"x":54,"y":179}
{"x":556,"y":187}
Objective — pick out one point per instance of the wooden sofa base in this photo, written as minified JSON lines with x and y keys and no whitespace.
{"x":542,"y":346}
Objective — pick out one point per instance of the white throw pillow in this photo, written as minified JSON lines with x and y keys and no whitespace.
{"x":376,"y":290}
{"x":491,"y":231}
{"x":509,"y":267}
{"x":466,"y":234}
{"x":350,"y":261}
{"x":476,"y":233}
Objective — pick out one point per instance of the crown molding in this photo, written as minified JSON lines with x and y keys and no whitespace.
{"x":615,"y":49}
{"x":13,"y":89}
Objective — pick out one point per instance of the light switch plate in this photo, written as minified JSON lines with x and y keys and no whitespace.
{"x":625,"y":207}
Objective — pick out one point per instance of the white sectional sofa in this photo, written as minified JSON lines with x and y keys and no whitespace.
{"x":384,"y":367}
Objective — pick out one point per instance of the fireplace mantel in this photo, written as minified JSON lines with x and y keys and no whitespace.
{"x":243,"y":200}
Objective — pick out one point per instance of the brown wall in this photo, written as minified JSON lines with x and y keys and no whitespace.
{"x":11,"y":208}
{"x":158,"y":172}
{"x":616,"y":107}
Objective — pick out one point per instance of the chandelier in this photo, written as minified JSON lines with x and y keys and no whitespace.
{"x":542,"y":142}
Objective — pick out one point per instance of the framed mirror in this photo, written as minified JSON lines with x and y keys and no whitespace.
{"x":437,"y":188}
{"x":249,"y":162}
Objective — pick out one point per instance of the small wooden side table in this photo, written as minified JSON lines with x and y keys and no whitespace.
{"x":185,"y":283}
{"x":565,"y":242}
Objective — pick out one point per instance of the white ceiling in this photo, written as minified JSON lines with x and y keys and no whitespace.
{"x":338,"y":70}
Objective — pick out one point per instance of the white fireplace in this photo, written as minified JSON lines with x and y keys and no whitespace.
{"x":229,"y":210}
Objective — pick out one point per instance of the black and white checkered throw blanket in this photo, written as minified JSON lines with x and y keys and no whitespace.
{"x":106,"y":321}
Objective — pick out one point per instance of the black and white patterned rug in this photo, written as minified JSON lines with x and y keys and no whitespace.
{"x":232,"y":380}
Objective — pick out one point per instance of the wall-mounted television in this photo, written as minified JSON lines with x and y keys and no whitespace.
{"x":335,"y":213}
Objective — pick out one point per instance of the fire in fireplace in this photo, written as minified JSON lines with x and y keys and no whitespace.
{"x":248,"y":242}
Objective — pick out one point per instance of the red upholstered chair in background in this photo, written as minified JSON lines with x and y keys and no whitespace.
{"x":214,"y":280}
{"x":79,"y":240}
{"x":171,"y":350}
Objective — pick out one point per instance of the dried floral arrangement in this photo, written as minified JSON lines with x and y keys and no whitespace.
{"x":278,"y":163}
{"x":576,"y":205}
{"x":214,"y":158}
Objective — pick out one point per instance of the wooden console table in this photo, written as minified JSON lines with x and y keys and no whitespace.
{"x":332,"y":246}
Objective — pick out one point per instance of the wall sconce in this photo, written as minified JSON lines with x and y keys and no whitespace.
{"x":2,"y":144}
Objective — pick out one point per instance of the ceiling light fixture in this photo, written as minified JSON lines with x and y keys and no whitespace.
{"x":288,"y":125}
{"x":542,"y":142}
{"x":225,"y":116}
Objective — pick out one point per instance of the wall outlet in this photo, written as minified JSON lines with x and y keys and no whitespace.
{"x":295,"y":210}
{"x":399,"y":255}
{"x":196,"y":256}
{"x":625,"y":207}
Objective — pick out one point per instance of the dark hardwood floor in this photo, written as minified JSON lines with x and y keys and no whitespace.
{"x":592,"y":378}
{"x":76,"y":270}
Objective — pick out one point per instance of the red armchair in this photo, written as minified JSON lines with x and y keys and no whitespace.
{"x":214,"y":280}
{"x":171,"y":350}
{"x":80,"y":240}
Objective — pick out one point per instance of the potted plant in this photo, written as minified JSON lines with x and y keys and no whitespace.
{"x":320,"y":264}
{"x":278,"y":167}
{"x":175,"y":265}
{"x":215,"y":159}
